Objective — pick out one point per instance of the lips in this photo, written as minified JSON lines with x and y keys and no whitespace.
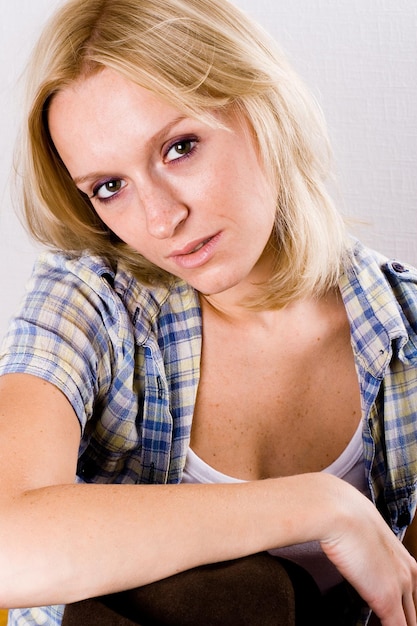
{"x":196,"y":253}
{"x":191,"y":247}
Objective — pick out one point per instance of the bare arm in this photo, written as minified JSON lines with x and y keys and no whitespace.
{"x":64,"y":542}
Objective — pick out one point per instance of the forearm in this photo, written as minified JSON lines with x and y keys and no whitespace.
{"x":65,"y":543}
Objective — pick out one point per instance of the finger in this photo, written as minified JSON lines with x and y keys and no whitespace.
{"x":398,"y":613}
{"x":409,"y":605}
{"x":399,"y":620}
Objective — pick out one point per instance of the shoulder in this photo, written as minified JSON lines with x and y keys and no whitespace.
{"x":61,"y":276}
{"x":91,"y":284}
{"x":378,"y":274}
{"x":380,"y":295}
{"x":84,"y":323}
{"x":61,"y":269}
{"x":366,"y":260}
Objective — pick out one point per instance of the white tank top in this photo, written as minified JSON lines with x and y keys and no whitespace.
{"x":349,"y":466}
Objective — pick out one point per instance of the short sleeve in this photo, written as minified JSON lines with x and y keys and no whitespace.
{"x":67,"y":330}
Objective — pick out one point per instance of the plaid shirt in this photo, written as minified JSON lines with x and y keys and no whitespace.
{"x":127,"y":357}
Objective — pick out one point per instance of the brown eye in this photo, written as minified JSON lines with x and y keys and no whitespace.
{"x":179,"y":149}
{"x":108,"y":189}
{"x":184,"y":147}
{"x":113,"y":185}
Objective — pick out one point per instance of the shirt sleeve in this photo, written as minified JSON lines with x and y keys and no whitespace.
{"x":66,"y":331}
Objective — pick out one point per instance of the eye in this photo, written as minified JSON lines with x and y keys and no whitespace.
{"x":108,"y":189}
{"x":180,"y":149}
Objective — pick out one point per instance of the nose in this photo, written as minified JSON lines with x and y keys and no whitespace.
{"x":164,"y":211}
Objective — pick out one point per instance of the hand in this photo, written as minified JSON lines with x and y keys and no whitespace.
{"x":373,"y":560}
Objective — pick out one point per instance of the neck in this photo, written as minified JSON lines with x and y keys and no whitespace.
{"x":236,"y":315}
{"x":236,"y":301}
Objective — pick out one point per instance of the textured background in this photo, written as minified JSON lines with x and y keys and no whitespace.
{"x":360,"y":59}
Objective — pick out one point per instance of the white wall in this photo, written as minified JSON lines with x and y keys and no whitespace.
{"x":19,"y":29}
{"x":360,"y":59}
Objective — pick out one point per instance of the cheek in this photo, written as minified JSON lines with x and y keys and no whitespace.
{"x":221,"y":189}
{"x":121,"y":225}
{"x":121,"y":216}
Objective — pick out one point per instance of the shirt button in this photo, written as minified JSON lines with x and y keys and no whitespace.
{"x":397,"y":267}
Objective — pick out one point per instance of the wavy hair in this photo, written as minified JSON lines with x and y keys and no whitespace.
{"x":200,"y":56}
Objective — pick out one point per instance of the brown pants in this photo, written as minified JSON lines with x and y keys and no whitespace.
{"x":259,"y":590}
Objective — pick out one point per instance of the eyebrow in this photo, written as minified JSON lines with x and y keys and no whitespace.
{"x":91,"y":176}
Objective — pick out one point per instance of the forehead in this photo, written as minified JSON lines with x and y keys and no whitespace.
{"x":100,"y":115}
{"x":104,"y":95}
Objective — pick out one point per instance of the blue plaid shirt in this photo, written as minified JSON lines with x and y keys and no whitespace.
{"x":127,"y":358}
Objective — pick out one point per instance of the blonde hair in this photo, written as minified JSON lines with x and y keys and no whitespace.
{"x":199,"y":55}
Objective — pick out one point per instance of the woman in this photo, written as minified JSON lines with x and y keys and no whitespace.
{"x":202,"y":318}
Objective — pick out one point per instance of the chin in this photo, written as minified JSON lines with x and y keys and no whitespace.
{"x":214,"y":287}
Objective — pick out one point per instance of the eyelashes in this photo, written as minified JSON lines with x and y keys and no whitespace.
{"x":181,"y":148}
{"x":107,"y":189}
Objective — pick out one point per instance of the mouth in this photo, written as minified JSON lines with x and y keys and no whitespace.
{"x":192,"y":247}
{"x":200,"y":245}
{"x":195,"y":253}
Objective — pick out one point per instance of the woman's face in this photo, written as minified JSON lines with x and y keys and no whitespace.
{"x":190,"y":198}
